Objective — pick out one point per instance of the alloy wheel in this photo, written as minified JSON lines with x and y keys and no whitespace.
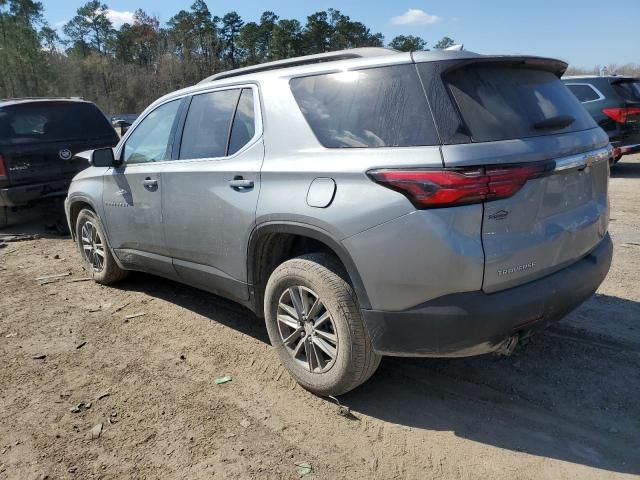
{"x":92,"y":246}
{"x":307,"y":329}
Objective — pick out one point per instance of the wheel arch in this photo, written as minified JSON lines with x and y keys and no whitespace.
{"x":261,"y":261}
{"x":77,"y":204}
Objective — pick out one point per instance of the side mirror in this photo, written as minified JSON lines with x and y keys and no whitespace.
{"x":103,"y":157}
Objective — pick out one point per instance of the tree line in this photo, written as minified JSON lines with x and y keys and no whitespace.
{"x":124,"y":69}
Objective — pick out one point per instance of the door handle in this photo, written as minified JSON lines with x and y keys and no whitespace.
{"x":240,"y":183}
{"x":150,"y":183}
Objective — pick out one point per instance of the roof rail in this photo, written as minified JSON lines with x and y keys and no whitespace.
{"x":305,"y":60}
{"x":13,"y":99}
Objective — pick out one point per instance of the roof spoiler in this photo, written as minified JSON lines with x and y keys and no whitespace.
{"x":553,"y":65}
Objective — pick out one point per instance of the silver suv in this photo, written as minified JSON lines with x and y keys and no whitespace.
{"x":364,"y":202}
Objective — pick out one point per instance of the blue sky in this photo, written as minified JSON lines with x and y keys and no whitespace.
{"x":583,"y":32}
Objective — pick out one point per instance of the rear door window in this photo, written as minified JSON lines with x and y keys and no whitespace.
{"x":42,"y":122}
{"x":208,"y":124}
{"x":584,"y":92}
{"x":377,"y":107}
{"x":628,"y":89}
{"x":502,"y":103}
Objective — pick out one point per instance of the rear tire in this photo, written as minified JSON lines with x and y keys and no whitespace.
{"x":341,"y":355}
{"x":95,"y":250}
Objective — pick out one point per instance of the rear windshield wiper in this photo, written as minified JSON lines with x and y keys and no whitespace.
{"x":554,"y":123}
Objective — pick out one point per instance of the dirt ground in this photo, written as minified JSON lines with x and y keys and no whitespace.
{"x":564,"y":406}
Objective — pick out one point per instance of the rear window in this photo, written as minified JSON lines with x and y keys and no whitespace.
{"x":377,"y":107}
{"x":53,"y":121}
{"x":628,"y":89}
{"x":504,"y":103}
{"x":584,"y":92}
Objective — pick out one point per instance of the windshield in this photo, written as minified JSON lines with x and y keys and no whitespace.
{"x":51,"y":122}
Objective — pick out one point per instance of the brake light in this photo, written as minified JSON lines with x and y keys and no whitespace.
{"x":621,"y":115}
{"x":440,"y":188}
{"x":3,"y":170}
{"x":616,"y":153}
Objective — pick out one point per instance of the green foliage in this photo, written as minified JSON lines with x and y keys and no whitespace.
{"x":286,"y":40}
{"x":49,"y":38}
{"x":90,"y":30}
{"x":408,"y":43}
{"x":22,"y":60}
{"x":125,"y":69}
{"x":348,"y":34}
{"x":444,"y":42}
{"x":230,"y":33}
{"x":26,"y":11}
{"x":268,"y":21}
{"x":249,"y":41}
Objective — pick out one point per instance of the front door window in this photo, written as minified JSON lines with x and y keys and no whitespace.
{"x":151,"y":141}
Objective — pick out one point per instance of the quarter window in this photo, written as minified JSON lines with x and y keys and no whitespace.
{"x":243,"y":128}
{"x":376,"y":107}
{"x":583,"y":92}
{"x":151,"y":141}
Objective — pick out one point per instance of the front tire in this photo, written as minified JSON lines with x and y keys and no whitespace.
{"x":315,"y":325}
{"x":95,"y":250}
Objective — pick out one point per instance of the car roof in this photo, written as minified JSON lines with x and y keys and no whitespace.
{"x":25,"y":100}
{"x":332,"y":62}
{"x":358,"y":57}
{"x":336,"y":61}
{"x":354,"y":57}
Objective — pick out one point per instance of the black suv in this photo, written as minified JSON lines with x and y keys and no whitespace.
{"x":614,"y":103}
{"x":39,"y":138}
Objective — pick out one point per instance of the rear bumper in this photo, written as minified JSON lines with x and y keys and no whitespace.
{"x":25,"y":194}
{"x":473,"y":323}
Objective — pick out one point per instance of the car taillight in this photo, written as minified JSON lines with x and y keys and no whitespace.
{"x":441,"y":188}
{"x":621,"y":115}
{"x":616,"y":153}
{"x":3,"y":171}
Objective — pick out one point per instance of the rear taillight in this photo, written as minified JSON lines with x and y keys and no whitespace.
{"x":616,"y":153}
{"x":621,"y":115}
{"x":441,"y":188}
{"x":3,"y":170}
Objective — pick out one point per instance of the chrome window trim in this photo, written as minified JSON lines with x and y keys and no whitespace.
{"x":118,"y":149}
{"x":598,"y":92}
{"x":257,"y":119}
{"x":210,"y":88}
